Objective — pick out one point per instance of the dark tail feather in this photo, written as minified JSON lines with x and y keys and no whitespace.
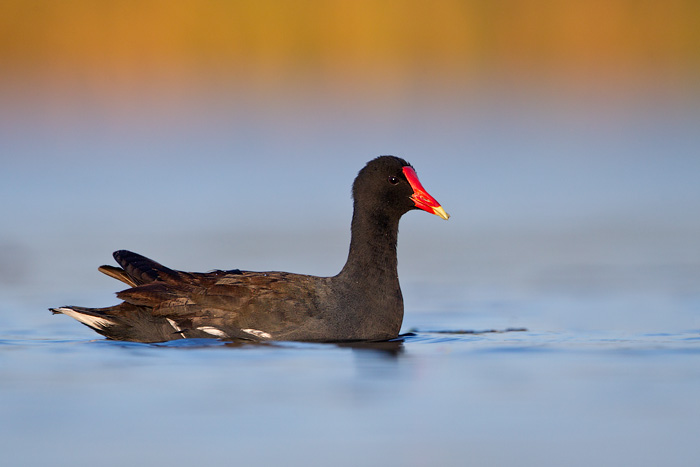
{"x":118,"y":274}
{"x":124,"y":322}
{"x":141,"y":270}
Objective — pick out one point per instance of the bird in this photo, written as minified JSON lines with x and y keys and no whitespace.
{"x":363,"y":302}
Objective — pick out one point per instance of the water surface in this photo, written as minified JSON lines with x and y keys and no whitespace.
{"x":444,"y":395}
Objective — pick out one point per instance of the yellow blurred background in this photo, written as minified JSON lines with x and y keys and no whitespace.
{"x":270,"y":41}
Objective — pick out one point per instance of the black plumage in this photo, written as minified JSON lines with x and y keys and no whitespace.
{"x":362,"y":302}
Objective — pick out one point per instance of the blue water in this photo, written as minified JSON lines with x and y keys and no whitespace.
{"x":511,"y":398}
{"x":574,"y":228}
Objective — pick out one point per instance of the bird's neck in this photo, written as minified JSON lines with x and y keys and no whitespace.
{"x":372,"y":255}
{"x":369,"y":282}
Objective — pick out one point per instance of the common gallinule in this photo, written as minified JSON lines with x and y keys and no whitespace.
{"x":362,"y":302}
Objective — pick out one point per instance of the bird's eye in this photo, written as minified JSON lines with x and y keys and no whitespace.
{"x":393,"y":180}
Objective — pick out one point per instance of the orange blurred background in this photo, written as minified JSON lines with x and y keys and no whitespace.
{"x":392,"y":43}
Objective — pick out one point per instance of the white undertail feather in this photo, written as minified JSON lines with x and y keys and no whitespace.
{"x":92,"y":321}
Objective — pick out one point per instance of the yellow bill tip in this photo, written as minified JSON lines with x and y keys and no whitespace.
{"x":439,"y":211}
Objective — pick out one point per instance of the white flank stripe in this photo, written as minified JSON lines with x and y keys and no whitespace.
{"x":176,"y":327}
{"x":258,"y":333}
{"x":213,"y":331}
{"x":92,"y":321}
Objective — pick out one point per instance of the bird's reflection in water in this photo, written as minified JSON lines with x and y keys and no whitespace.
{"x":378,"y":361}
{"x":389,"y":349}
{"x":241,"y":343}
{"x":392,"y":348}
